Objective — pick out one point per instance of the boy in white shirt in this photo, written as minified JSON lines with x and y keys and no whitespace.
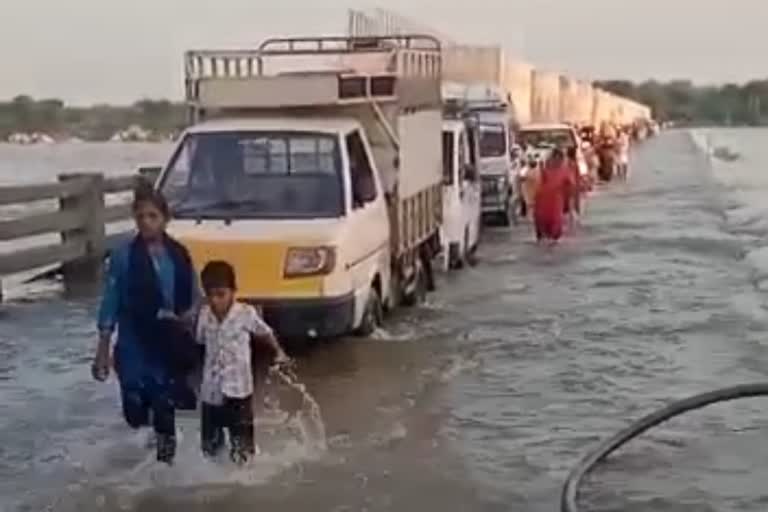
{"x":228,"y":329}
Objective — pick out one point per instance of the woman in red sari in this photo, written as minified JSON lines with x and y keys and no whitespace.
{"x":552,"y":196}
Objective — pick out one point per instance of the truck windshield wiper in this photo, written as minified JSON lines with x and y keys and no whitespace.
{"x":203,"y":210}
{"x":225,"y":209}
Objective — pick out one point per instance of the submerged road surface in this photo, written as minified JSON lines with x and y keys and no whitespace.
{"x":479,"y":401}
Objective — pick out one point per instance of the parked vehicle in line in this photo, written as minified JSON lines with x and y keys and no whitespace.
{"x":555,"y":135}
{"x":322,"y":188}
{"x":492,"y":110}
{"x":462,"y":216}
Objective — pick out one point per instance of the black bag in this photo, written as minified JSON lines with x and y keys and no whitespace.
{"x":183,"y":353}
{"x":185,"y":359}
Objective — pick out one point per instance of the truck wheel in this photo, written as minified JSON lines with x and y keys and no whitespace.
{"x":429,"y":274}
{"x":458,"y":256}
{"x":470,"y":252}
{"x":372,"y":316}
{"x":505,"y":218}
{"x":455,"y":256}
{"x":419,"y":292}
{"x":466,"y":250}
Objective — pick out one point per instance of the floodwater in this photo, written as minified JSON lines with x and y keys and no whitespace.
{"x":480,"y":400}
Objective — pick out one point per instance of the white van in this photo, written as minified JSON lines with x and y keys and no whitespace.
{"x":462,"y":209}
{"x":542,"y":136}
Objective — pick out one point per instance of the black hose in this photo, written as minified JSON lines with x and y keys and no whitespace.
{"x":569,"y":497}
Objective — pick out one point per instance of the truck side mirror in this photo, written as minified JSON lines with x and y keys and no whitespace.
{"x":367,"y":192}
{"x":150,"y":173}
{"x":363,"y":187}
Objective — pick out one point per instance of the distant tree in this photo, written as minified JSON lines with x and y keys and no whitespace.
{"x":49,"y":115}
{"x":677,"y":100}
{"x":22,"y":100}
{"x":21,"y":112}
{"x":684,"y":102}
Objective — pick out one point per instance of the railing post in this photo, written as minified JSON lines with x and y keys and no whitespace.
{"x":84,"y":274}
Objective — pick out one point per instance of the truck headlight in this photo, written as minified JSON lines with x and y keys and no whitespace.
{"x":309,"y":261}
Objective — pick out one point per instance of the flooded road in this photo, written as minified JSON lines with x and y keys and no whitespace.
{"x":479,"y":401}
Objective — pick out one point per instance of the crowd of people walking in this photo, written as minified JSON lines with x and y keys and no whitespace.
{"x":555,"y":191}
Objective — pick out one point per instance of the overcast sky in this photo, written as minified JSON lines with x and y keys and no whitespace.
{"x":87,"y":51}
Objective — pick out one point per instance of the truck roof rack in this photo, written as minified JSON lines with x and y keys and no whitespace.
{"x":486,"y":105}
{"x":405,"y":68}
{"x":348,"y":44}
{"x":458,"y":109}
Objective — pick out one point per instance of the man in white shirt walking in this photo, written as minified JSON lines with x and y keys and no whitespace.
{"x":623,"y":150}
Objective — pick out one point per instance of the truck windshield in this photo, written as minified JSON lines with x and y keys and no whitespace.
{"x":250,"y":174}
{"x":538,"y":138}
{"x":493,"y":140}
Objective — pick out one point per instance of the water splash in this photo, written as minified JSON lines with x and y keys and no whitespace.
{"x":304,"y":416}
{"x":290,"y":434}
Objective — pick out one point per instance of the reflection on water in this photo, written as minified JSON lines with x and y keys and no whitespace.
{"x":483,"y":398}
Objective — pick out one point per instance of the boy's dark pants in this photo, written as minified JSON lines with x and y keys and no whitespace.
{"x":234,"y":415}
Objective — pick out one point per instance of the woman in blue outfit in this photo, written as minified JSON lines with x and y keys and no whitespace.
{"x":150,"y":296}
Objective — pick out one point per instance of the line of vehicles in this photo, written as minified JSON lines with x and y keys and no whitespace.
{"x":336,"y":173}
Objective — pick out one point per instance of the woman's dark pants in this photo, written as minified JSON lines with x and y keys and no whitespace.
{"x":143,"y":406}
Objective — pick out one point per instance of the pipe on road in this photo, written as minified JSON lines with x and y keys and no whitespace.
{"x":569,"y":497}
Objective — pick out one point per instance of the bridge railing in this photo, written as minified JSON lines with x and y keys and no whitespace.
{"x":80,"y":220}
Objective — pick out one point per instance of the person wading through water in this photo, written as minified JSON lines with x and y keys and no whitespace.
{"x":573,"y":201}
{"x":151,"y":295}
{"x":529,"y":184}
{"x":239,"y":347}
{"x":551,"y":196}
{"x":623,"y":143}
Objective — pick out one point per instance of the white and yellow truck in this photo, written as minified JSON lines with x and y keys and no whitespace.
{"x":314,"y":166}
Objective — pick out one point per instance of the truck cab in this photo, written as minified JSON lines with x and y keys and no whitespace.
{"x":321,"y":187}
{"x":493,"y":117}
{"x":284,"y":201}
{"x":496,"y":167}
